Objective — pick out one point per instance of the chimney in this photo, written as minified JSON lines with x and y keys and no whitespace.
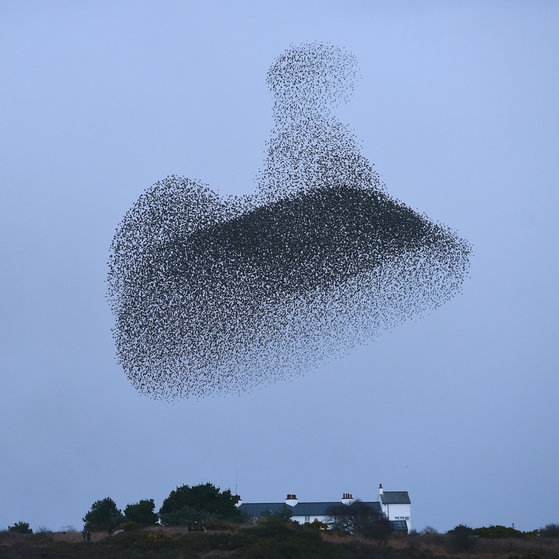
{"x":347,"y":499}
{"x":291,"y":499}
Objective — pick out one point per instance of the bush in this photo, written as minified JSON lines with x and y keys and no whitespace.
{"x":274,"y":528}
{"x":130,"y":526}
{"x":263,"y":549}
{"x":317,"y":525}
{"x":216,"y":524}
{"x":103,"y":515}
{"x":462,"y":538}
{"x":141,"y":512}
{"x":189,"y":505}
{"x":284,"y":513}
{"x":497,"y":532}
{"x":20,"y":528}
{"x":281,"y":539}
{"x":551,"y":531}
{"x":360,"y":518}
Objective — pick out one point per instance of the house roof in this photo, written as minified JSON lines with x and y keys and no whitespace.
{"x":300,"y":509}
{"x":395,"y":498}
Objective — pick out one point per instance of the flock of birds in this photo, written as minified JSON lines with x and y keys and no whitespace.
{"x":218,"y":295}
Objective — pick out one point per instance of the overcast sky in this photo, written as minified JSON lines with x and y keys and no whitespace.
{"x":457,"y":109}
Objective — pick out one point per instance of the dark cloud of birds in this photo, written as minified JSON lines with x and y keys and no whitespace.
{"x":218,"y":295}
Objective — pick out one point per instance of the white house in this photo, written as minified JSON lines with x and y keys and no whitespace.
{"x":396,"y":505}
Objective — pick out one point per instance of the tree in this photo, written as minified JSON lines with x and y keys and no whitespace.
{"x":21,"y":528}
{"x":283,"y":513}
{"x":551,"y":530}
{"x":141,"y":512}
{"x":103,"y":515}
{"x":360,"y":518}
{"x":462,"y":538}
{"x":188,"y":506}
{"x":497,"y":531}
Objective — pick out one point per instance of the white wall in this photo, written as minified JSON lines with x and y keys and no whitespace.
{"x":303,"y":519}
{"x":398,"y":512}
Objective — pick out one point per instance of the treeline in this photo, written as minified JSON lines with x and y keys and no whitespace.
{"x":465,"y":538}
{"x":188,"y":506}
{"x":185,"y":506}
{"x":205,"y":506}
{"x":500,"y":532}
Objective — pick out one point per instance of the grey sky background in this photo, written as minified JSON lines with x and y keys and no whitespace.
{"x":457,"y":109}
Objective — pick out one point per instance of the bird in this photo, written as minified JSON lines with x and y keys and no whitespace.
{"x":219,"y":295}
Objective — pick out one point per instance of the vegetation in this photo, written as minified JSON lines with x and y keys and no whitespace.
{"x":551,"y":531}
{"x":362,"y":519}
{"x":462,"y":538}
{"x":194,"y":506}
{"x":103,"y":516}
{"x":270,"y":539}
{"x":142,"y":512}
{"x":498,"y":531}
{"x":284,"y":513}
{"x":20,"y":528}
{"x":360,"y":532}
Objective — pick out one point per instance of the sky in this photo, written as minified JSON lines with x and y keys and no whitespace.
{"x":458,"y":110}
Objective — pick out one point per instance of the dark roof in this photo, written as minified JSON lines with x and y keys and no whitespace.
{"x":257,"y":509}
{"x":395,"y":498}
{"x":300,"y":509}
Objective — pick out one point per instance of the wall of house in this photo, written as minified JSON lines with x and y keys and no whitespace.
{"x":303,"y":519}
{"x":398,"y":512}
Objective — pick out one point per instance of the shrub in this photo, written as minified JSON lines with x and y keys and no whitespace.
{"x":130,"y":526}
{"x":141,"y":512}
{"x":283,"y":539}
{"x":187,"y":505}
{"x":216,"y":524}
{"x":497,"y":532}
{"x":103,"y":515}
{"x":316,"y":525}
{"x":20,"y":528}
{"x":263,"y":549}
{"x":360,"y":518}
{"x":462,"y":538}
{"x":551,"y":531}
{"x":284,"y":513}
